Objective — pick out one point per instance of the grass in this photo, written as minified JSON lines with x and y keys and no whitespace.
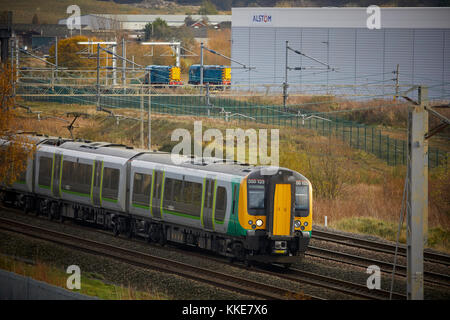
{"x":348,"y":184}
{"x":92,"y":284}
{"x":438,"y":238}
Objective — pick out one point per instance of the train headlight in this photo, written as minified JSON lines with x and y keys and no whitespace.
{"x":305,"y":224}
{"x":297,"y":223}
{"x":250,"y":222}
{"x":259,"y":222}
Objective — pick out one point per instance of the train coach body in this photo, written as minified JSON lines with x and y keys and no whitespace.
{"x":212,"y":74}
{"x":185,"y":200}
{"x":234,"y":209}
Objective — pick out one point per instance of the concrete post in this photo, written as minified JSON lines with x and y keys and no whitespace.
{"x":417,"y":205}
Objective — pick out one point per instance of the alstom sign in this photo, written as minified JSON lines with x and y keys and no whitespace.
{"x":262,"y":18}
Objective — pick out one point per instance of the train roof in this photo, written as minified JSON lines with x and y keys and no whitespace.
{"x":103,"y":148}
{"x":209,"y":66}
{"x":122,"y":151}
{"x":156,"y":67}
{"x":212,"y":164}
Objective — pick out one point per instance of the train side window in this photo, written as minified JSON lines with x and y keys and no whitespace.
{"x":76,"y":177}
{"x":188,"y":189}
{"x":168,"y":184}
{"x":67,"y":174}
{"x":84,"y":173}
{"x":197,"y":194}
{"x":110,"y":184}
{"x":45,"y":171}
{"x":141,"y":188}
{"x":221,"y":203}
{"x":177,"y":190}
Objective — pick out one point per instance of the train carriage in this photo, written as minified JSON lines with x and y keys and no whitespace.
{"x":233,"y":209}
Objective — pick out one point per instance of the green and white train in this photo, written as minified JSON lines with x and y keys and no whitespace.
{"x":222,"y":206}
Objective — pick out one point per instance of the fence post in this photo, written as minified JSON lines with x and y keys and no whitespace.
{"x":403,"y":152}
{"x":351,"y":133}
{"x":437,"y":157}
{"x":379,"y":144}
{"x":365,"y":138}
{"x":395,"y":152}
{"x":387,"y":149}
{"x":357,"y":136}
{"x":373,"y":138}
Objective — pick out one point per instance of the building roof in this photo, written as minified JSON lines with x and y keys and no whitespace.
{"x":47,"y":30}
{"x":137,"y":21}
{"x":333,"y":17}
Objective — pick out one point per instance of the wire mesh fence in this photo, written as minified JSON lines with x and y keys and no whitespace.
{"x":357,"y":135}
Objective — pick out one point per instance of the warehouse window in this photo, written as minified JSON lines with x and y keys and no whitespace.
{"x":45,"y":171}
{"x":141,"y":189}
{"x":111,"y":183}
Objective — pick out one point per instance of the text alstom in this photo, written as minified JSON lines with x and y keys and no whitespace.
{"x":262,"y":18}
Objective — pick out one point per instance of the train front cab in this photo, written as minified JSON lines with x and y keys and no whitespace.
{"x":276,"y":210}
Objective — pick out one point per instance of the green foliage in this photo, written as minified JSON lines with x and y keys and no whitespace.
{"x":438,"y":238}
{"x":375,"y":227}
{"x":35,"y":19}
{"x":207,"y":7}
{"x":159,"y":29}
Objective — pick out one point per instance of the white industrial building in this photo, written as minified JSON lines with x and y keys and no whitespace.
{"x":137,"y":22}
{"x":417,"y":39}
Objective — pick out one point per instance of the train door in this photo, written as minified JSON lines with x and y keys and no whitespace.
{"x":57,"y":161}
{"x":97,"y":181}
{"x":282,"y":210}
{"x":208,"y":210}
{"x":157,"y":194}
{"x":234,"y":209}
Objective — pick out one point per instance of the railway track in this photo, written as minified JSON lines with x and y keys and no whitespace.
{"x":347,"y":240}
{"x":317,"y":280}
{"x":236,"y":284}
{"x":387,"y":267}
{"x":350,"y":288}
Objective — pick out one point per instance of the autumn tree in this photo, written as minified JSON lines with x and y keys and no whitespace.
{"x":69,"y":54}
{"x":207,"y":7}
{"x":219,"y":40}
{"x":15,"y":149}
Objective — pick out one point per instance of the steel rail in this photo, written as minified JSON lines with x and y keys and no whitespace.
{"x":387,"y":267}
{"x":148,"y":261}
{"x":352,"y":241}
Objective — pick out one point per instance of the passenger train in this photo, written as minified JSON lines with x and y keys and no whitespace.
{"x":227,"y":207}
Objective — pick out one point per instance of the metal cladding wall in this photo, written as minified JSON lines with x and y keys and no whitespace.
{"x":362,"y":56}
